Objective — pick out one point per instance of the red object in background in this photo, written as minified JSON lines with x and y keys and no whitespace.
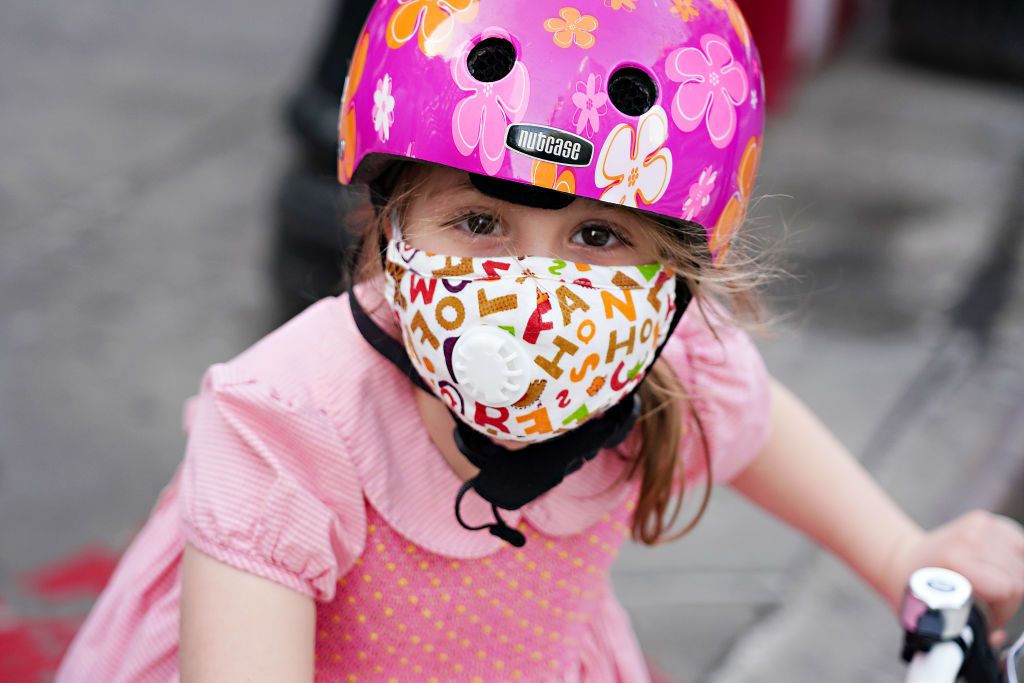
{"x":81,"y":574}
{"x":31,"y":648}
{"x":770,"y":21}
{"x":785,"y":52}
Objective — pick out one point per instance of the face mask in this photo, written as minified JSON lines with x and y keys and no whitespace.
{"x":524,"y":349}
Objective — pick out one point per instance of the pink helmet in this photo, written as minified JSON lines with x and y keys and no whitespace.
{"x":657,"y":105}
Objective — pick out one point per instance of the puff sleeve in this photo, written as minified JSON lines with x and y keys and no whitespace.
{"x":266,"y":485}
{"x":730,"y":389}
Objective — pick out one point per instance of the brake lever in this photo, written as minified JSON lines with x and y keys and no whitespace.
{"x":981,"y":665}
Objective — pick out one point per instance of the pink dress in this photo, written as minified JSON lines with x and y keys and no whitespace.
{"x":307,"y":464}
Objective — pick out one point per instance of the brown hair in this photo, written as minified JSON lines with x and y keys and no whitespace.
{"x":732,"y":283}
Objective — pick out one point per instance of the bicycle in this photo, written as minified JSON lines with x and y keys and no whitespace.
{"x":946,"y":635}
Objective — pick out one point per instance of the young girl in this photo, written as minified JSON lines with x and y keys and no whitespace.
{"x":428,"y":478}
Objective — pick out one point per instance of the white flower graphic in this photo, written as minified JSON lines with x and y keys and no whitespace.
{"x":383,"y":108}
{"x":633,"y":164}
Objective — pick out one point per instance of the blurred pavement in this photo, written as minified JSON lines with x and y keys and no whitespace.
{"x":139,"y":153}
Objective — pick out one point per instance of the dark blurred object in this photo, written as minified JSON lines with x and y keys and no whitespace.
{"x":978,"y":37}
{"x":311,"y":240}
{"x":794,"y":37}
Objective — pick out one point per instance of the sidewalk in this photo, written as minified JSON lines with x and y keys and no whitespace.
{"x":139,"y":161}
{"x":907,"y":224}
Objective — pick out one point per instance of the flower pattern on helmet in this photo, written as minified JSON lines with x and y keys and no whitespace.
{"x":347,"y":120}
{"x":591,"y":104}
{"x":700,"y":193}
{"x":383,"y":108}
{"x":739,"y":24}
{"x":431,"y":20}
{"x":628,"y":5}
{"x":548,"y":89}
{"x":480,"y":120}
{"x":684,"y":9}
{"x":736,"y":210}
{"x":713,"y":85}
{"x":633,"y":163}
{"x":545,"y":174}
{"x":571,"y":28}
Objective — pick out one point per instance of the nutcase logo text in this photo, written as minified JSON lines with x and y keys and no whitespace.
{"x":549,"y":144}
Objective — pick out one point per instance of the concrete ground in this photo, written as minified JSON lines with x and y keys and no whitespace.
{"x":139,"y":152}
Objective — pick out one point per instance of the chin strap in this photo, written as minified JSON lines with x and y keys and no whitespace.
{"x":383,"y":343}
{"x":511,"y":479}
{"x":500,"y":528}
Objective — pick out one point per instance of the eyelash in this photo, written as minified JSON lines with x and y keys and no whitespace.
{"x":466,"y":217}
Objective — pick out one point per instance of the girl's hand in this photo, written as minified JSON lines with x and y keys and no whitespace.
{"x":986,"y":548}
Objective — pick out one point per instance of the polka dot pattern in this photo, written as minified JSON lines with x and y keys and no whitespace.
{"x":405,"y":613}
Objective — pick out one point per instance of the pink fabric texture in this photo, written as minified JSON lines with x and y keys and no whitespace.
{"x":307,"y":464}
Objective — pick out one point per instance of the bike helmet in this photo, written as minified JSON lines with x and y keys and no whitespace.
{"x":652,"y":105}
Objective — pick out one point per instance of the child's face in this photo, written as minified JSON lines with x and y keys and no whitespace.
{"x":450,"y":216}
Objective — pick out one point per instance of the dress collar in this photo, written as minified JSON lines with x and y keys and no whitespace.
{"x":408,"y":481}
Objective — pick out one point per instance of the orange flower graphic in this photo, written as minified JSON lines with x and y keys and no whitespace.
{"x":630,"y":5}
{"x":347,"y":117}
{"x":736,"y":17}
{"x":736,"y":210}
{"x":431,"y":20}
{"x":684,"y":9}
{"x":572,"y":27}
{"x":545,"y":174}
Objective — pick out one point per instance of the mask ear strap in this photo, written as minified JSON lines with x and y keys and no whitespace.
{"x":396,"y":226}
{"x":382,"y":342}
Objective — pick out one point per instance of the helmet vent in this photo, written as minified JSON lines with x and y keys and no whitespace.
{"x":632,"y":91}
{"x":491,"y":60}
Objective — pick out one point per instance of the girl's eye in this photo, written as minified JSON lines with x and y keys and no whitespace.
{"x":478,"y":224}
{"x":597,"y":236}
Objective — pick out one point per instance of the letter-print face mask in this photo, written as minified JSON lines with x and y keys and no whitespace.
{"x":523,"y":349}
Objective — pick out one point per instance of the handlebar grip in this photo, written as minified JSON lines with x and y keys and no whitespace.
{"x":981,"y":664}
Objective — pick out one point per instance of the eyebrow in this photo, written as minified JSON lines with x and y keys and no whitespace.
{"x":602,"y":207}
{"x":463,"y":184}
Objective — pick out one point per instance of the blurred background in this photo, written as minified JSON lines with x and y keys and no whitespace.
{"x":167,"y":197}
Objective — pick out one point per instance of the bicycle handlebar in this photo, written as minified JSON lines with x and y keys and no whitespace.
{"x":946,"y":636}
